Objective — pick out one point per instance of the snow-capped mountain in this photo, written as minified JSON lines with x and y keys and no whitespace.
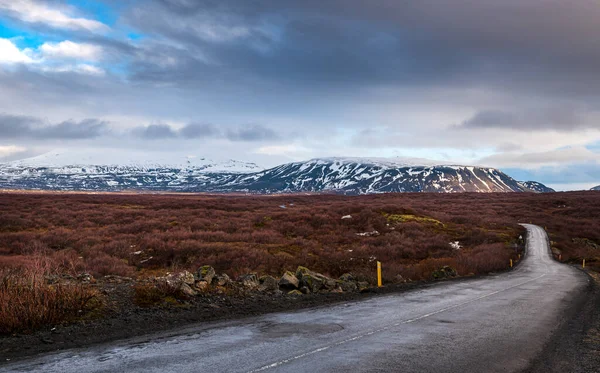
{"x":536,"y":187}
{"x":104,"y":172}
{"x":596,"y":188}
{"x":101,"y":170}
{"x":364,"y":176}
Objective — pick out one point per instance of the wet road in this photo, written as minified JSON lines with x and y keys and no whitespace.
{"x":493,"y":324}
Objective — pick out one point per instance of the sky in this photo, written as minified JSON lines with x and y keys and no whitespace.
{"x":512,"y":84}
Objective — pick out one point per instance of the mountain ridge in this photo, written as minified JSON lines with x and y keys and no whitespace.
{"x":346,"y":175}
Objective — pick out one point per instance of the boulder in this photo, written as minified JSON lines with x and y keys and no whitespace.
{"x":304,"y":290}
{"x":348,"y":286}
{"x":362,"y":285}
{"x":222,"y":280}
{"x":268,"y":283}
{"x":184,"y":277}
{"x":201,"y":285}
{"x":206,"y":273}
{"x":249,"y":281}
{"x":187,"y":290}
{"x":347,"y":277}
{"x":289,"y":281}
{"x":314,"y":281}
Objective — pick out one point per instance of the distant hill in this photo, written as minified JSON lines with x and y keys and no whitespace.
{"x":536,"y":187}
{"x":65,"y":171}
{"x":596,"y":188}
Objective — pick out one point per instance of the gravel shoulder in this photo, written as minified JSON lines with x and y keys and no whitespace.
{"x":575,"y":347}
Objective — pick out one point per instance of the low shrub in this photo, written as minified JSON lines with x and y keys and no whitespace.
{"x":27,"y":302}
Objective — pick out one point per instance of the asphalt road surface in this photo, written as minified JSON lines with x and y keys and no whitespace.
{"x":498,"y":323}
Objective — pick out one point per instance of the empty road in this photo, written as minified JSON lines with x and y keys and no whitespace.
{"x":494,"y":324}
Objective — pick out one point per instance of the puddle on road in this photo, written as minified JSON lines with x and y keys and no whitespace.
{"x":278,"y":330}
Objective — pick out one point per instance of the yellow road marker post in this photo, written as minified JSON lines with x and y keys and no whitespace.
{"x":379,"y":274}
{"x":511,"y":264}
{"x":583,"y":263}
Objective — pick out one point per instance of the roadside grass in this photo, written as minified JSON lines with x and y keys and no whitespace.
{"x":27,"y":302}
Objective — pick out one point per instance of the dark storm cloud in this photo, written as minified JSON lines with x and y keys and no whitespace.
{"x":404,"y":43}
{"x":557,"y":118}
{"x":26,"y":127}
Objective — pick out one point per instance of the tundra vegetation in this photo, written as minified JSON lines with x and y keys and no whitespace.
{"x":57,"y":250}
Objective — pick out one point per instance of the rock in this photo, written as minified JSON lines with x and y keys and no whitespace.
{"x":347,"y":277}
{"x":186,"y":290}
{"x":268,"y":283}
{"x":184,"y":277}
{"x":313,"y":283}
{"x":346,"y":217}
{"x":201,"y":285}
{"x":295,"y":292}
{"x":337,"y":290}
{"x":444,"y":272}
{"x":249,"y":281}
{"x":304,"y":290}
{"x":312,"y":280}
{"x":348,"y":286}
{"x":222,"y":280}
{"x":331,"y":284}
{"x":86,"y":278}
{"x":289,"y":281}
{"x":114,"y":279}
{"x":368,"y":234}
{"x":362,"y":285}
{"x":206,"y":273}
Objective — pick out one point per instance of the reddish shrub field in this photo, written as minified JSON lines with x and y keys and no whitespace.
{"x":144,"y":234}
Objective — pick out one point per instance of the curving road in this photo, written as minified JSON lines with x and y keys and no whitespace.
{"x":499,"y":323}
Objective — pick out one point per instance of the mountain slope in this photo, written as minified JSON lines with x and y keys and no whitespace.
{"x":536,"y":187}
{"x":56,"y":171}
{"x":596,"y":188}
{"x":356,"y":176}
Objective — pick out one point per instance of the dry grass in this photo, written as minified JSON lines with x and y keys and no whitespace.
{"x":27,"y":302}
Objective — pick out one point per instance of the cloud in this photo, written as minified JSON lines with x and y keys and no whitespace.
{"x":70,"y":50}
{"x":49,"y":57}
{"x":82,"y":68}
{"x":253,"y":132}
{"x":10,"y":53}
{"x":198,"y":130}
{"x":8,"y":150}
{"x":26,"y":127}
{"x":553,"y":158}
{"x":556,"y":118}
{"x":31,"y":11}
{"x":155,"y":132}
{"x":249,"y":133}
